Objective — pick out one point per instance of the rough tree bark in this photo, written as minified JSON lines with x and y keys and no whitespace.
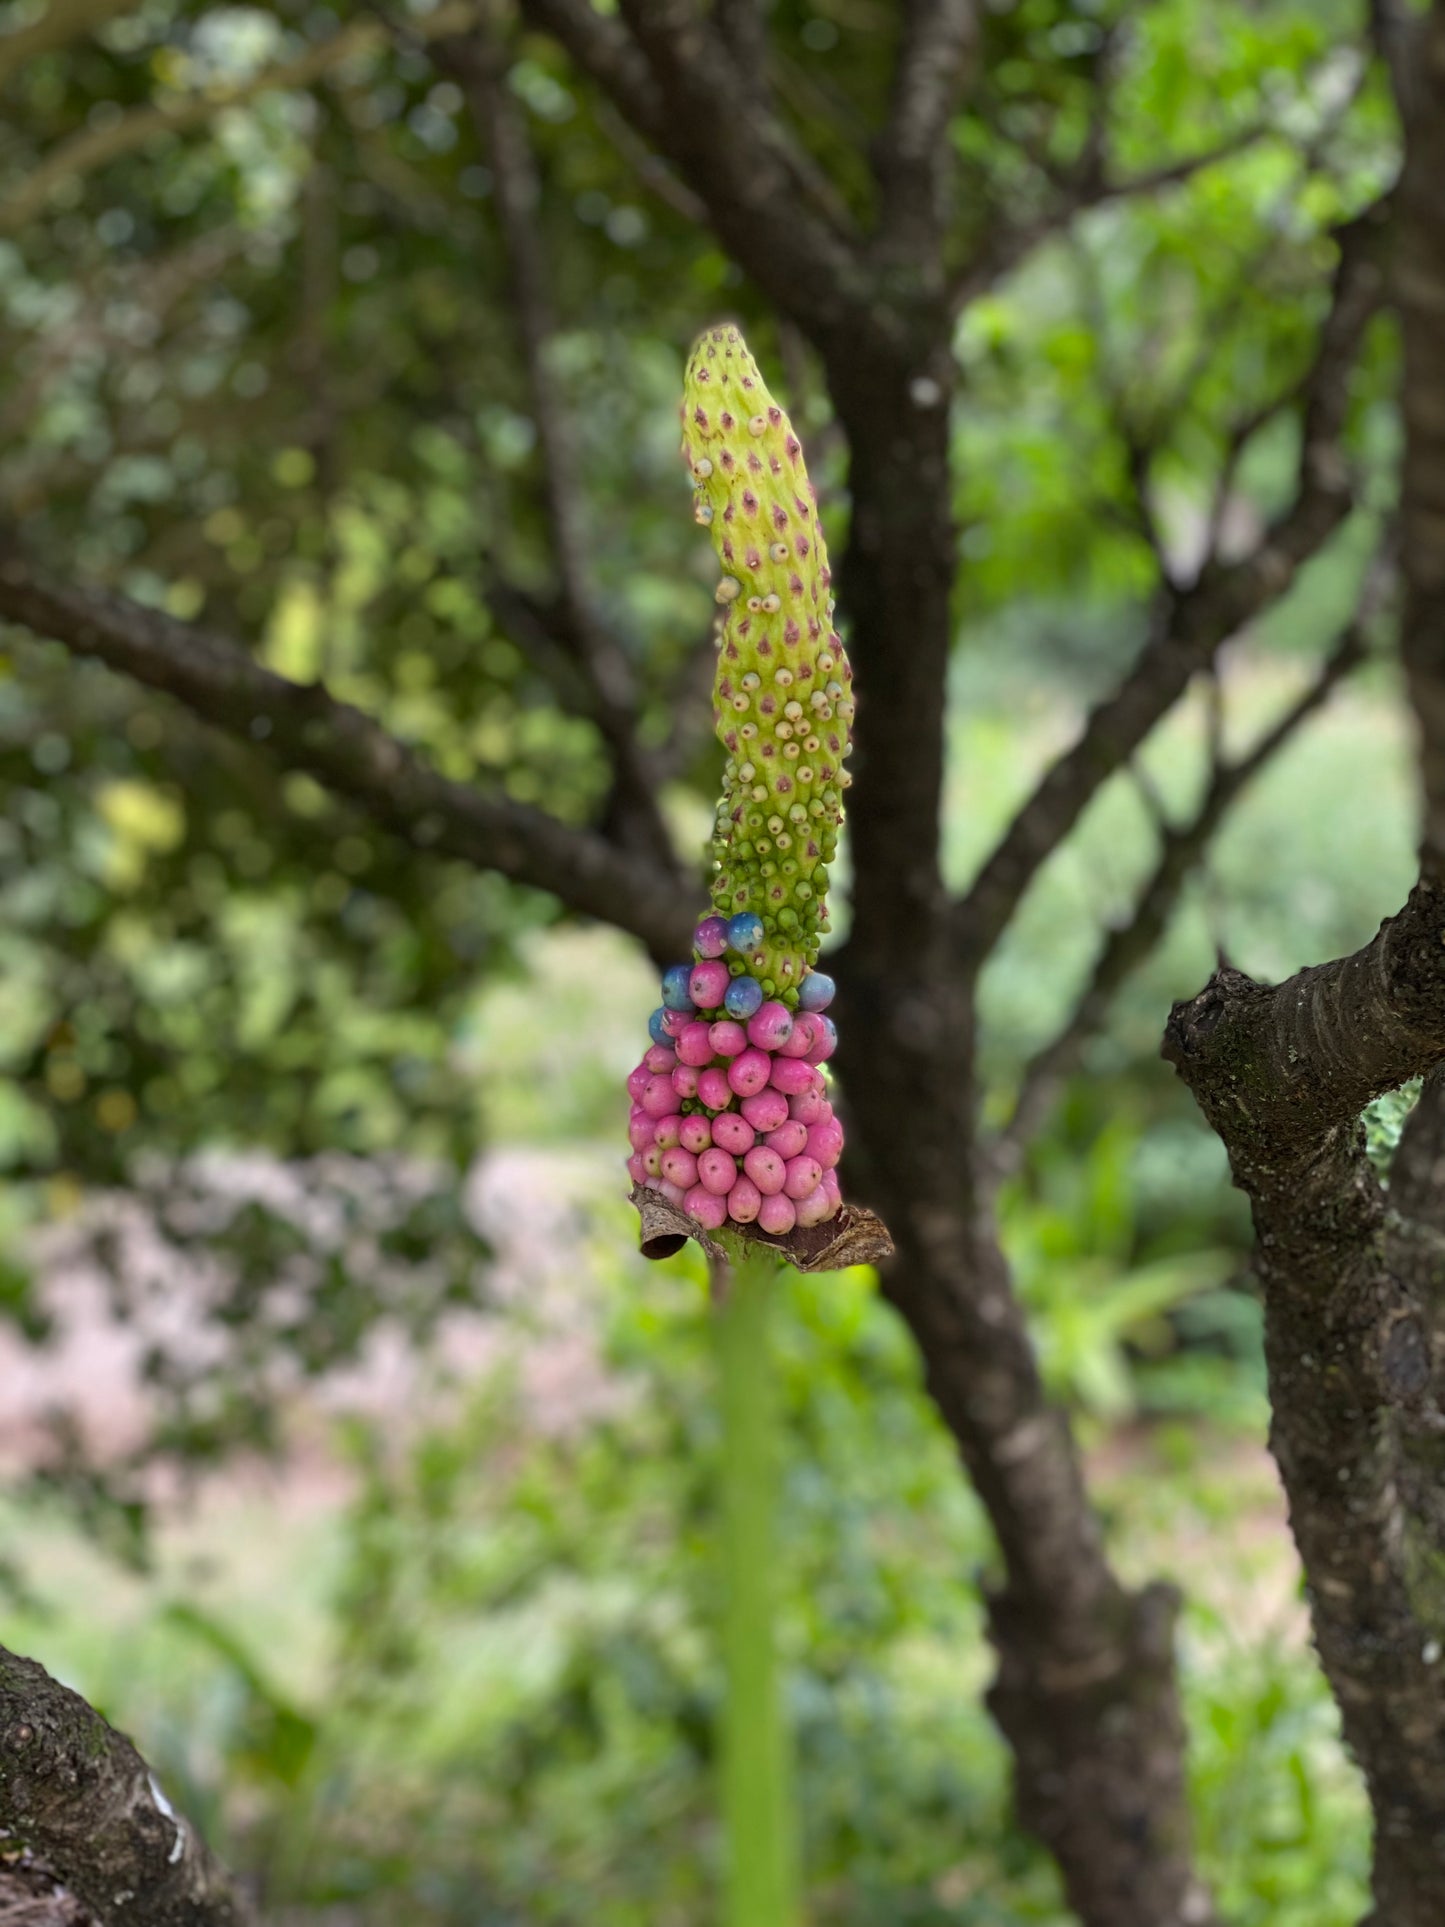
{"x":30,"y":1896}
{"x":78,"y":1796}
{"x":1353,"y":1273}
{"x":1354,"y":1290}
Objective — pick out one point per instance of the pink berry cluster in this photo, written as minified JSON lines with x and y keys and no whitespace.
{"x":731,"y":1120}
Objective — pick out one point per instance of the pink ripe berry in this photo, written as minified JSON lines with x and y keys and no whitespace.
{"x":765,"y":1110}
{"x":743,"y":1201}
{"x":777,"y":1214}
{"x":766,"y":1169}
{"x":659,"y":1097}
{"x":637,"y":1082}
{"x":804,"y":1174}
{"x":770,"y":1026}
{"x":716,"y":1171}
{"x":636,"y":1170}
{"x":639,"y":1130}
{"x":667,"y":1130}
{"x":824,"y":1043}
{"x":830,"y":1185}
{"x":825,"y":1142}
{"x":727,"y":1038}
{"x":695,"y":1135}
{"x":679,"y":1166}
{"x":816,"y":1208}
{"x":674,"y":1193}
{"x":714,"y":1089}
{"x":652,"y":1160}
{"x":733,"y":1133}
{"x":659,"y":1059}
{"x":710,"y":939}
{"x":789,"y":1139}
{"x":684,"y":1081}
{"x":708,"y":984}
{"x":808,"y":1106}
{"x":694,"y":1047}
{"x":675,"y":1022}
{"x":791,"y":1075}
{"x":706,"y":1208}
{"x":802,"y":1037}
{"x":749,"y":1073}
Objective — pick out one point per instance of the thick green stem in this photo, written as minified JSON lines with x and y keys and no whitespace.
{"x":757,"y":1792}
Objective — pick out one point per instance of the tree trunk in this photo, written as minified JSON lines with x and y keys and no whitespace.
{"x":78,"y":1794}
{"x":1085,"y":1691}
{"x":1354,"y":1289}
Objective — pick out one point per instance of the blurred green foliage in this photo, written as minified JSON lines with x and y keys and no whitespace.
{"x":1101,"y":1303}
{"x":508,"y":1670}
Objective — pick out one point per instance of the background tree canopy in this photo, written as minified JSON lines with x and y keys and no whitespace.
{"x":356,"y":657}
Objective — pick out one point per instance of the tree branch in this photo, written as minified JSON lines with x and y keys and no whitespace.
{"x":602,"y":47}
{"x":97,"y":147}
{"x":480,"y":63}
{"x":676,"y":79}
{"x":684,"y":44}
{"x":688,"y":699}
{"x":741,"y":24}
{"x":161,"y":286}
{"x":79,"y":1795}
{"x":1215,"y":331}
{"x":1419,"y":286}
{"x":1392,"y":25}
{"x":1190,"y":625}
{"x":1282,"y":1071}
{"x":1354,"y":1324}
{"x":62,"y":22}
{"x":305,"y":728}
{"x":650,"y":168}
{"x":911,"y":155}
{"x":1182,"y":848}
{"x":31,"y":1896}
{"x":1009,"y":243}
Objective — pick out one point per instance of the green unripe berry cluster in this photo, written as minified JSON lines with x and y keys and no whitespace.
{"x":782,"y":700}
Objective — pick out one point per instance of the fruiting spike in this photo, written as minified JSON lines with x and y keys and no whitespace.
{"x":782,"y":697}
{"x":730,"y":1115}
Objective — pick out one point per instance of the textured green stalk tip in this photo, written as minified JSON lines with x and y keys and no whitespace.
{"x":783,"y":698}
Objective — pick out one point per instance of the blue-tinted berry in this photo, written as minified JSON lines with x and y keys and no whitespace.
{"x":745,"y":931}
{"x":744,"y":995}
{"x":675,"y":993}
{"x":825,"y":1041}
{"x":816,"y":991}
{"x":711,"y":937}
{"x":655,"y":1025}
